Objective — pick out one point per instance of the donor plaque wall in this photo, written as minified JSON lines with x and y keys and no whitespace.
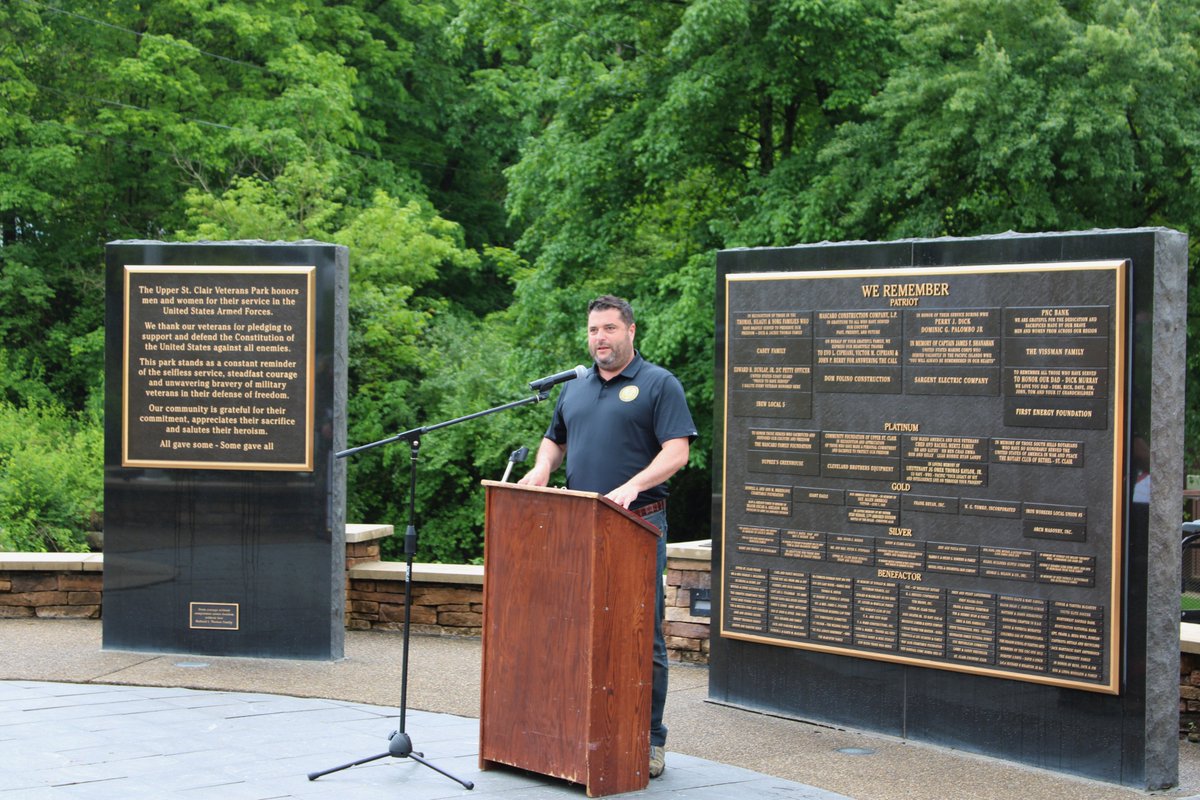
{"x":924,"y":466}
{"x":949,"y":492}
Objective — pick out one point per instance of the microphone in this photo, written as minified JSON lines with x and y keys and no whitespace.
{"x":516,"y":457}
{"x":542,"y":384}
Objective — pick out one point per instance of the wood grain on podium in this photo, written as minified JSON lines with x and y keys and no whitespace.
{"x":567,"y":637}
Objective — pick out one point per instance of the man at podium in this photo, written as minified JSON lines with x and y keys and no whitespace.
{"x":627,"y":429}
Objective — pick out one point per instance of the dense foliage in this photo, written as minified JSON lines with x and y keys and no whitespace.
{"x":492,"y":164}
{"x":50,"y":483}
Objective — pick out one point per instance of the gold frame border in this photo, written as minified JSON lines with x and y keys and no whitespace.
{"x":1116,"y":630}
{"x":310,"y":360}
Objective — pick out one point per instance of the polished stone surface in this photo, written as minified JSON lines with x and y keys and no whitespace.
{"x":1128,"y":737}
{"x":264,"y":543}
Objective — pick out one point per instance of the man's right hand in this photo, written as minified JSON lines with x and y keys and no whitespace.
{"x":549,"y":457}
{"x":538,"y":476}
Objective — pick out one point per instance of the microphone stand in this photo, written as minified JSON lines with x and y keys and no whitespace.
{"x":399,"y":742}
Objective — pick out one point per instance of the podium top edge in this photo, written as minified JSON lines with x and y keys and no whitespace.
{"x":548,"y":489}
{"x":574,"y":493}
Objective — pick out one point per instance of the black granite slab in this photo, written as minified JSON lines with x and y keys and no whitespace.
{"x":1019,"y":599}
{"x":224,"y":406}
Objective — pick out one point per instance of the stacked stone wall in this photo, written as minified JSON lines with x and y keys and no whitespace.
{"x":50,"y":595}
{"x":448,"y":601}
{"x":443,"y":609}
{"x":686,"y":634}
{"x":1189,"y":693}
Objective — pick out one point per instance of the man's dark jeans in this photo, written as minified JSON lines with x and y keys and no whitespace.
{"x":658,"y":692}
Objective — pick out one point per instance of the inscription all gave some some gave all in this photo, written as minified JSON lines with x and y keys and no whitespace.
{"x":218,"y":367}
{"x":922,"y":466}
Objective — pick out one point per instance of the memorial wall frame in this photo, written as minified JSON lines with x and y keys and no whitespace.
{"x":972,"y":530}
{"x":925,"y":520}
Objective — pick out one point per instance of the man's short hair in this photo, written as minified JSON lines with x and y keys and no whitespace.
{"x":607,"y":301}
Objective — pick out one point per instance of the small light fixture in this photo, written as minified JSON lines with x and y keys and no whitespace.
{"x":856,"y":751}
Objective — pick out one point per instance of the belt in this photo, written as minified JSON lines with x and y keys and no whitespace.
{"x":646,"y":511}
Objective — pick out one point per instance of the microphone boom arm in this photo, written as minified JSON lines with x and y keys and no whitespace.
{"x":415,"y":434}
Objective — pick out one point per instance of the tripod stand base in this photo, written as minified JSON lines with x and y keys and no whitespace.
{"x":399,"y":746}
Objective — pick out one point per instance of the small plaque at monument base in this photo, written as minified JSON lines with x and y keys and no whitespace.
{"x":213,"y":616}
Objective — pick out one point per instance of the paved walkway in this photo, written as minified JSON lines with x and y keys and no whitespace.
{"x":61,"y":740}
{"x":77,"y":721}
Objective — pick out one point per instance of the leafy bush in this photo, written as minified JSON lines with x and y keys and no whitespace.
{"x":51,"y":478}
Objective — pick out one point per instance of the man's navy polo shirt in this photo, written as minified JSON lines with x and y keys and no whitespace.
{"x":614,"y":429}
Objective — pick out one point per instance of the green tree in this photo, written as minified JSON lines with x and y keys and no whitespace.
{"x":266,"y":120}
{"x":1029,"y":116}
{"x":50,"y":483}
{"x":493,"y":165}
{"x":668,"y":131}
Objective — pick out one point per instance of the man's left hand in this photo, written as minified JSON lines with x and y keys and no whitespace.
{"x":672,"y":456}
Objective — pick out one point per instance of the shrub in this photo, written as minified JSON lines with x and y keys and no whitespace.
{"x":51,"y":478}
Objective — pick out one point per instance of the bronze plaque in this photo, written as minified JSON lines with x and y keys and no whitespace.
{"x":218,"y":368}
{"x":213,"y":616}
{"x":923,"y":466}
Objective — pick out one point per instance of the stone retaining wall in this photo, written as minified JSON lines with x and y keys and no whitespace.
{"x":447,"y":599}
{"x":1189,"y":677}
{"x":50,"y":585}
{"x":688,"y":578}
{"x":1189,"y":690}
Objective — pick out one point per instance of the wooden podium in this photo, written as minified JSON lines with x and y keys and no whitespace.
{"x":568,"y":633}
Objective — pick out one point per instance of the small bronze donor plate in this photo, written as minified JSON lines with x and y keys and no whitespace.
{"x":213,"y":616}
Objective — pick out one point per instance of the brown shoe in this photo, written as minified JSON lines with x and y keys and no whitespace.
{"x":658,"y":760}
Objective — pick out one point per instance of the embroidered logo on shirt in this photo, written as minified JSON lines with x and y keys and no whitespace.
{"x":628,"y":394}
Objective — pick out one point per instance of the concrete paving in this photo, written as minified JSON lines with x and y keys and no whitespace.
{"x":77,"y":721}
